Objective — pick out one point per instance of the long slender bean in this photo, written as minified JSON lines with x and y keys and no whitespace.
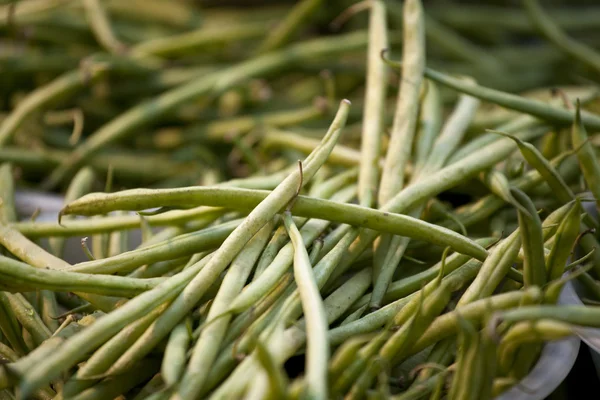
{"x":317,"y":356}
{"x":174,"y":361}
{"x":289,"y":25}
{"x":451,"y":135}
{"x":64,"y":85}
{"x":80,"y":185}
{"x":554,"y":34}
{"x":7,"y":191}
{"x":264,"y":212}
{"x":207,"y":345}
{"x":47,"y":369}
{"x":373,"y":115}
{"x":150,"y":111}
{"x":246,"y":199}
{"x":405,"y":117}
{"x":530,"y":226}
{"x":536,"y":108}
{"x":588,"y":162}
{"x":25,"y":278}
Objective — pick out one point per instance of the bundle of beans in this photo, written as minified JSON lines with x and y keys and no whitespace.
{"x":416,"y":250}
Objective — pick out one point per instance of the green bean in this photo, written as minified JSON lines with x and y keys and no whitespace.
{"x":231,"y":246}
{"x":149,"y":111}
{"x":174,"y":360}
{"x":343,"y":296}
{"x":24,"y":277}
{"x":315,"y":249}
{"x":525,"y":356}
{"x":257,"y":314}
{"x":113,"y":387}
{"x":498,"y":184}
{"x":101,"y":28}
{"x":468,"y":346}
{"x":80,"y":185}
{"x":304,"y":206}
{"x":206,"y":347}
{"x":441,"y":354}
{"x":89,"y":339}
{"x":591,"y":245}
{"x":485,"y":15}
{"x":10,"y":327}
{"x":334,"y":184}
{"x":554,"y":34}
{"x":543,"y":166}
{"x":156,"y":12}
{"x":221,"y":129}
{"x":489,"y":366}
{"x":179,"y":44}
{"x":373,"y":114}
{"x":528,"y":332}
{"x":338,"y":301}
{"x":523,"y":125}
{"x":51,"y":344}
{"x":536,"y":108}
{"x":29,"y":10}
{"x":61,"y":86}
{"x":281,"y":345}
{"x":118,"y":241}
{"x":139,"y":168}
{"x":7,"y":191}
{"x":345,"y":354}
{"x":99,"y":246}
{"x":28,"y":251}
{"x":279,"y":239}
{"x":34,"y":255}
{"x":286,"y":28}
{"x":575,"y":315}
{"x":291,"y":307}
{"x":461,"y":47}
{"x":179,"y":246}
{"x":153,"y":386}
{"x":145,"y":229}
{"x":530,"y":226}
{"x":566,"y":235}
{"x":110,"y":351}
{"x":432,"y":185}
{"x":446,"y":324}
{"x":359,"y":368}
{"x":107,"y":224}
{"x":406,"y":114}
{"x":277,"y":379}
{"x":160,"y":268}
{"x":585,"y":155}
{"x":316,"y":321}
{"x":401,"y":340}
{"x":419,"y":390}
{"x":395,"y":346}
{"x":448,"y":139}
{"x":457,"y":279}
{"x":493,"y":270}
{"x":7,"y":354}
{"x":294,"y":337}
{"x":450,"y":136}
{"x":406,"y":286}
{"x":430,"y":123}
{"x":284,"y":259}
{"x":277,"y":138}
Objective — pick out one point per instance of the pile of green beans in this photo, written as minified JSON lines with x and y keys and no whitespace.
{"x":386,"y":211}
